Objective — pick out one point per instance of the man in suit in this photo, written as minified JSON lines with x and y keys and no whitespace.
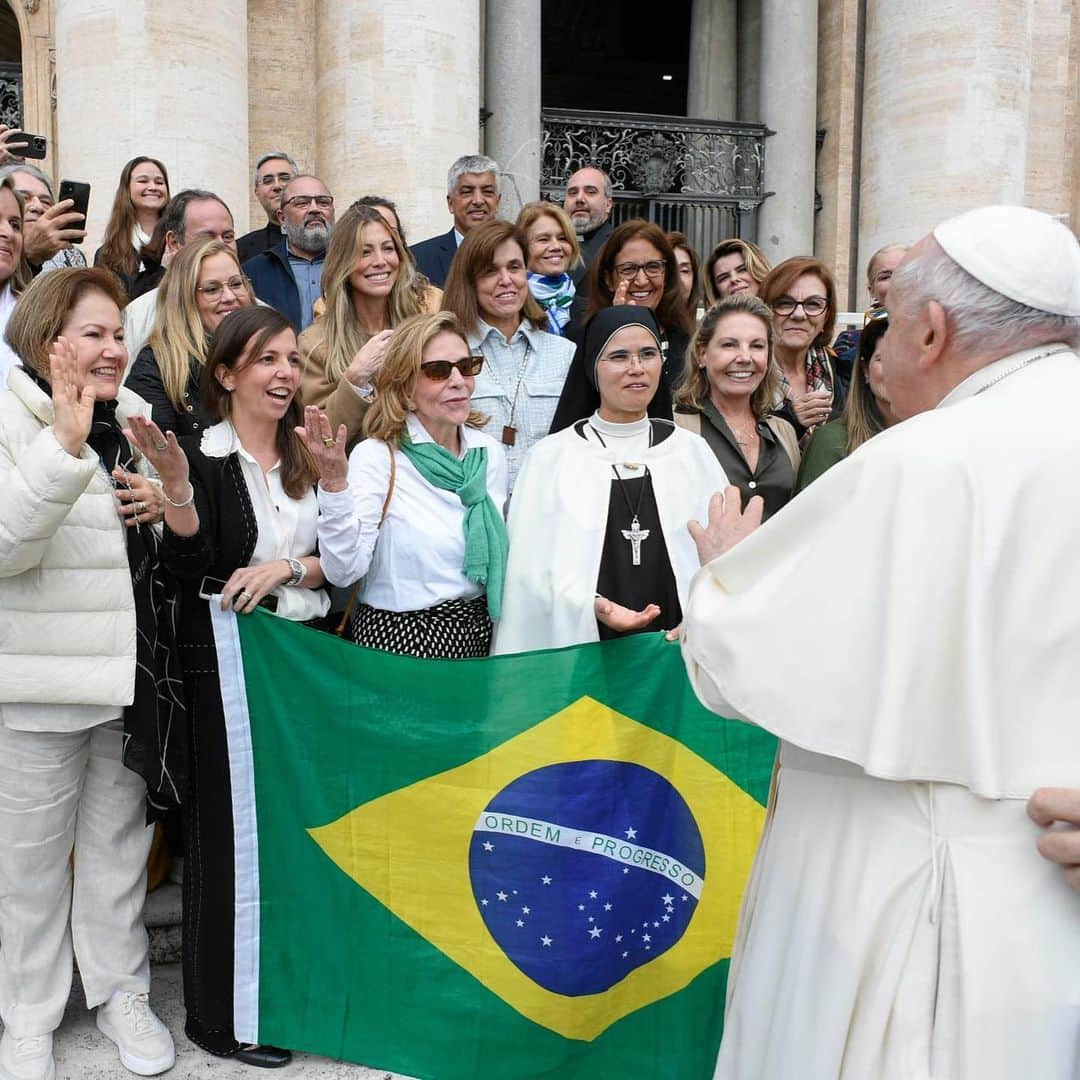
{"x":289,"y":275}
{"x":272,"y":172}
{"x":588,"y":202}
{"x":472,"y":197}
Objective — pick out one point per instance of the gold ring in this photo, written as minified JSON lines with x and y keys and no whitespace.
{"x":140,"y":507}
{"x":329,"y":440}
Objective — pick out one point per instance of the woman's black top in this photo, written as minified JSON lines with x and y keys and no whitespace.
{"x":145,"y":379}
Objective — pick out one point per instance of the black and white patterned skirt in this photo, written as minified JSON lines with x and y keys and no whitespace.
{"x":452,"y":630}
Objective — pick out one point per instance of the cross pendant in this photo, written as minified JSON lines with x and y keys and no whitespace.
{"x":635,"y":534}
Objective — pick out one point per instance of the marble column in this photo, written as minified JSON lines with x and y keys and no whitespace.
{"x":748,"y":73}
{"x":946,"y":130}
{"x":512,"y":94}
{"x":166,"y":80}
{"x":712,"y":84}
{"x":281,"y":74}
{"x":789,"y":37}
{"x":397,"y":101}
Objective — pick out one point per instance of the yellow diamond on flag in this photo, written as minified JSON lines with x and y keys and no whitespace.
{"x":450,"y":856}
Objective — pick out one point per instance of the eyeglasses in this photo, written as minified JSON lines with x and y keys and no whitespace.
{"x":623,"y":357}
{"x":213,"y":290}
{"x":628,"y":271}
{"x":439,"y":370}
{"x":812,"y":306}
{"x":281,"y":177}
{"x":323,"y":202}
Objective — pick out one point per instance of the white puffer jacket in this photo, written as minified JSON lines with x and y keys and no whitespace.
{"x":67,"y":612}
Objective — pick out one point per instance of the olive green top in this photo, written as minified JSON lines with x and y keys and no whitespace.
{"x":826,"y":447}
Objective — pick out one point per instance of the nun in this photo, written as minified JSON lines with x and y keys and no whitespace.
{"x":622,"y":486}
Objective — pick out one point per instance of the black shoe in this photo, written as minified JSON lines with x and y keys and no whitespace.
{"x":218,"y":1043}
{"x":263,"y":1057}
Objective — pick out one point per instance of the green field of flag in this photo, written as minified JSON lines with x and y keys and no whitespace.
{"x":524,"y":866}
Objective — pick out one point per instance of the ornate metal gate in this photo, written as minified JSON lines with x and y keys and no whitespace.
{"x":11,"y":95}
{"x":702,"y":177}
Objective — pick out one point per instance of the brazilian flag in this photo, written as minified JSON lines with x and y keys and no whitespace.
{"x":524,"y":866}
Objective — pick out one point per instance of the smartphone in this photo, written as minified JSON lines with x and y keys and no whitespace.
{"x":36,"y":145}
{"x":78,"y":193}
{"x":212,"y":586}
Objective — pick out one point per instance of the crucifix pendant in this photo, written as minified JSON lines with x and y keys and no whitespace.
{"x":635,"y":534}
{"x":509,"y":435}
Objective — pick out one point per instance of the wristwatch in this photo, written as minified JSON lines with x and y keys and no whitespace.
{"x":299,"y":571}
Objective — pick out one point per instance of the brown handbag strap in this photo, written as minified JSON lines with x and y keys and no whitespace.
{"x":354,"y":591}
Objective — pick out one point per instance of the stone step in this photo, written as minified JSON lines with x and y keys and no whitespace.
{"x":162,"y":918}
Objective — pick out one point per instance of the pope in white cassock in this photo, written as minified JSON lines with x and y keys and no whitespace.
{"x":899,"y":921}
{"x":598,"y":541}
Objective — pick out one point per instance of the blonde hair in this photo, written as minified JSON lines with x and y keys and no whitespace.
{"x":178,"y":335}
{"x":694,"y":389}
{"x":876,"y":257}
{"x":756,"y":263}
{"x":532,"y":212}
{"x":39,"y":315}
{"x":393,"y":382}
{"x":344,"y":334}
{"x":21,"y":275}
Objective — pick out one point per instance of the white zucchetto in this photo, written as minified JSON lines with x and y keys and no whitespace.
{"x":1023,"y":254}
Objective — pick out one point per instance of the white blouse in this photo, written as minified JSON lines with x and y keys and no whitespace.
{"x":287,"y":526}
{"x":414,"y":560}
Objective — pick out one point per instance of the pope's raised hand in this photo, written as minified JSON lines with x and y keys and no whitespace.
{"x":326,"y":449}
{"x":728,"y":523}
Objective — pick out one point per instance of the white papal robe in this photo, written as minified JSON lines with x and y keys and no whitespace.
{"x":557,"y":523}
{"x":910,"y":627}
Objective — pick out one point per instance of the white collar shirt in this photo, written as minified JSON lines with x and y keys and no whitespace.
{"x":8,"y":359}
{"x":520,"y":384}
{"x":413,"y":559}
{"x":287,"y":527}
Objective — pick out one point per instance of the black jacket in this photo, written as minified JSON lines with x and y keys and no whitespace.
{"x":145,"y":379}
{"x":434,"y":256}
{"x":258,"y":240}
{"x":272,"y":278}
{"x":590,"y":248}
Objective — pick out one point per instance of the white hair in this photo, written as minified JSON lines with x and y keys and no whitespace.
{"x":981,"y":321}
{"x":30,"y":170}
{"x":476,"y":164}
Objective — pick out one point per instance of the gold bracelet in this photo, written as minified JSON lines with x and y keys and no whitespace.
{"x":180,"y":505}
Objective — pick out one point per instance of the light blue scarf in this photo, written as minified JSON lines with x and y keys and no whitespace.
{"x":555,"y":295}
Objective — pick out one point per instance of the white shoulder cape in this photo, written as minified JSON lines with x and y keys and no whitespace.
{"x":557,"y":521}
{"x":916,"y":610}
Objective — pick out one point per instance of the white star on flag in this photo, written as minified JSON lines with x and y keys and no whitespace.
{"x":631,"y":834}
{"x":484,"y":902}
{"x":501,"y":896}
{"x":545,"y":941}
{"x":607,"y":907}
{"x":592,"y":894}
{"x":618,"y":937}
{"x":525,"y":910}
{"x":581,"y":907}
{"x":595,"y":932}
{"x":666,"y":899}
{"x":545,"y":880}
{"x":645,"y":937}
{"x":667,"y":918}
{"x":488,"y":845}
{"x":520,"y":922}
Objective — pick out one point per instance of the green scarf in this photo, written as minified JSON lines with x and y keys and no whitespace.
{"x":486,"y":541}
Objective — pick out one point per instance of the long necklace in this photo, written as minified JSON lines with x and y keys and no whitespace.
{"x":635,"y":535}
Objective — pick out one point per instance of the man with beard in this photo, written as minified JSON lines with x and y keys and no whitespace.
{"x":288,"y":276}
{"x":588,"y":202}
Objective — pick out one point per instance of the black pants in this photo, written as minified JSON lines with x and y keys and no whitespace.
{"x":209,"y":871}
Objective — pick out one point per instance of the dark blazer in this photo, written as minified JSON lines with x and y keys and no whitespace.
{"x":272,"y":278}
{"x":259,"y":240}
{"x":145,"y":379}
{"x":225,"y":542}
{"x":434,"y":256}
{"x":590,"y":248}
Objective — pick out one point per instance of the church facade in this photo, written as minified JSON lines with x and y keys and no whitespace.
{"x":827,"y":125}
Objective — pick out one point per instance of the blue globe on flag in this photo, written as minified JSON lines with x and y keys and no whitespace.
{"x":586,"y":870}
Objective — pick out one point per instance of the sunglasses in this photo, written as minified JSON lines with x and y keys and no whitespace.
{"x":439,"y":370}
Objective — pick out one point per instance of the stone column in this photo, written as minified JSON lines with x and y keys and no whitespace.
{"x":512,"y":91}
{"x":711,"y":86}
{"x":955,"y":136}
{"x":789,"y":36}
{"x":748,"y":74}
{"x":166,"y":80}
{"x":281,"y":74}
{"x":397,"y":101}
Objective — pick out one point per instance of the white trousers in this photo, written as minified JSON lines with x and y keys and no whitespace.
{"x":64,"y":793}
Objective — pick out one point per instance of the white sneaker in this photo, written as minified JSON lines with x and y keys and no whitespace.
{"x":26,"y":1059}
{"x":145,"y":1045}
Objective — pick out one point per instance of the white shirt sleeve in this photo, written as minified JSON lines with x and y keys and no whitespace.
{"x":349,"y":520}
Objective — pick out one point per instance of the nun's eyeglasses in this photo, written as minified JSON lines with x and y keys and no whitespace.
{"x":439,"y":370}
{"x":623,"y":357}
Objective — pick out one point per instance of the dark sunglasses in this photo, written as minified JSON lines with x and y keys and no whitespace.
{"x":439,"y":370}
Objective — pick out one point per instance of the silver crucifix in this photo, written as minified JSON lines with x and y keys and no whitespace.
{"x":635,"y":534}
